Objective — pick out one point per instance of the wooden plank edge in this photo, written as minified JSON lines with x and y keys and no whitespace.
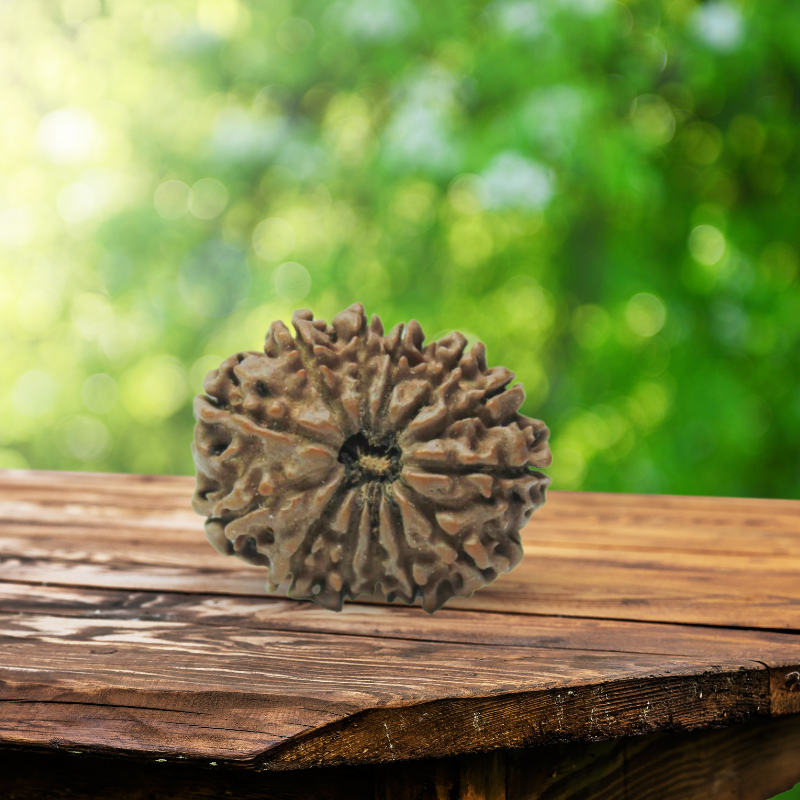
{"x":442,"y":728}
{"x":431,"y":729}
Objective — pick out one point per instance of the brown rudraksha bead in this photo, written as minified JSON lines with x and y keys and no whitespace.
{"x":349,"y":458}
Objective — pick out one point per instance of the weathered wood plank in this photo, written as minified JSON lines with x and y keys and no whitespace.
{"x":678,"y":523}
{"x":778,"y":650}
{"x":576,"y":583}
{"x":526,"y":719}
{"x":617,"y":557}
{"x":690,"y":589}
{"x":299,"y":699}
{"x":632,"y":523}
{"x":151,"y":645}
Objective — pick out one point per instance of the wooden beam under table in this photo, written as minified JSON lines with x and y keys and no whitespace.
{"x":754,"y":760}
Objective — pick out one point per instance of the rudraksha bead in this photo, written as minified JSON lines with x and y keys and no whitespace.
{"x":350,"y":458}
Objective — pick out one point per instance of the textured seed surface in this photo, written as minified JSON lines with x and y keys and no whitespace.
{"x":348,"y":459}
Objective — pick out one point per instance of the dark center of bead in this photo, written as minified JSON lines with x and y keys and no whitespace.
{"x":367,"y":460}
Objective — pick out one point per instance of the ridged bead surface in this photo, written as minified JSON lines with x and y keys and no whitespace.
{"x":349,"y":458}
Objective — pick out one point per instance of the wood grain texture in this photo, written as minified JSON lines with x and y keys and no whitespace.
{"x":628,"y":557}
{"x":773,"y":649}
{"x":122,"y":632}
{"x":297,"y":699}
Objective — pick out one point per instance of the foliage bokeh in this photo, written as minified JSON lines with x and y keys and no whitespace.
{"x":606,"y":194}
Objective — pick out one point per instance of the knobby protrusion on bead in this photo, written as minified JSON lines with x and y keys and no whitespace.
{"x":350,"y":459}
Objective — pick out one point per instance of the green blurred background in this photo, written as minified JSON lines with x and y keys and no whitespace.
{"x":606,"y":194}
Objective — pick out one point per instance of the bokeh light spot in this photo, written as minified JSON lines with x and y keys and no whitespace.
{"x":413,"y":208}
{"x":292,"y":282}
{"x":172,"y":199}
{"x":295,"y":34}
{"x":161,"y":23}
{"x":529,"y":308}
{"x":645,"y":314}
{"x":515,"y":181}
{"x":467,"y":194}
{"x":91,"y":313}
{"x":208,"y":198}
{"x":719,"y":24}
{"x":34,"y":393}
{"x":154,"y":389}
{"x":377,"y":20}
{"x":653,"y":402}
{"x":84,"y":438}
{"x":219,"y":17}
{"x":214,"y":278}
{"x":470,"y":241}
{"x":38,"y":310}
{"x":703,"y":142}
{"x":76,"y":202}
{"x":273,"y":239}
{"x":67,"y":136}
{"x":99,"y":393}
{"x":707,"y":244}
{"x":521,"y":19}
{"x":653,"y":120}
{"x":17,"y":227}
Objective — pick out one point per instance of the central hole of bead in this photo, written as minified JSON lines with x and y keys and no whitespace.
{"x":366,"y":460}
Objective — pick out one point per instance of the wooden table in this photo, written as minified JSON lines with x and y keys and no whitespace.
{"x":641,"y":650}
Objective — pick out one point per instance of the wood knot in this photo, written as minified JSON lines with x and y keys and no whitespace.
{"x":792,"y":681}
